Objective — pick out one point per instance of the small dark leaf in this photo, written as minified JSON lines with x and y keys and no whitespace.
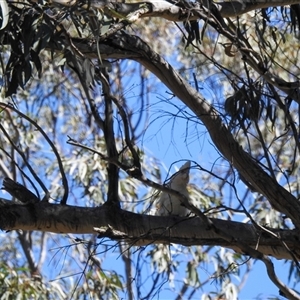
{"x":28,"y":34}
{"x":265,"y":15}
{"x":88,"y":72}
{"x":295,"y":16}
{"x":273,"y":116}
{"x":77,"y":67}
{"x":255,"y":109}
{"x":192,"y":28}
{"x":273,"y":32}
{"x":37,"y":62}
{"x":27,"y":72}
{"x":265,"y":19}
{"x":19,"y":73}
{"x":231,"y":106}
{"x":43,"y":37}
{"x":12,"y":84}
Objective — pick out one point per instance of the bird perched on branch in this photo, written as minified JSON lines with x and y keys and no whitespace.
{"x":171,"y":204}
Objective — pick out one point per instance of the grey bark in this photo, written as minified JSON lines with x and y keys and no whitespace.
{"x":144,"y":229}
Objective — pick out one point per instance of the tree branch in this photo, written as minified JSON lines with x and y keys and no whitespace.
{"x":109,"y":135}
{"x":143,"y":229}
{"x":169,"y":9}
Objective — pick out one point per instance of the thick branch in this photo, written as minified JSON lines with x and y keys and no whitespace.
{"x":170,"y":11}
{"x":143,"y":229}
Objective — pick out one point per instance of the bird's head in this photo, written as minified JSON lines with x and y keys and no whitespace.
{"x":181,"y":178}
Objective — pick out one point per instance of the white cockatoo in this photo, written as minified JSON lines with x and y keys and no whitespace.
{"x":171,"y":204}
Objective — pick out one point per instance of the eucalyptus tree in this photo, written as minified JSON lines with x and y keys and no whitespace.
{"x":83,"y":83}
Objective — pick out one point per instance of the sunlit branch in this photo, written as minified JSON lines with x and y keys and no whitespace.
{"x":171,"y":10}
{"x":130,"y":18}
{"x":43,"y":250}
{"x":272,"y":275}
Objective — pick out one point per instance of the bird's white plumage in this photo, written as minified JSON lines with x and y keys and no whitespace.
{"x":171,"y":204}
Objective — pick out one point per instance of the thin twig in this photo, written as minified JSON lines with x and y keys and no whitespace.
{"x":60,"y":164}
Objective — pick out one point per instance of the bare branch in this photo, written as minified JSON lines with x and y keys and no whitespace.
{"x":24,"y":238}
{"x":113,"y":170}
{"x":144,"y":229}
